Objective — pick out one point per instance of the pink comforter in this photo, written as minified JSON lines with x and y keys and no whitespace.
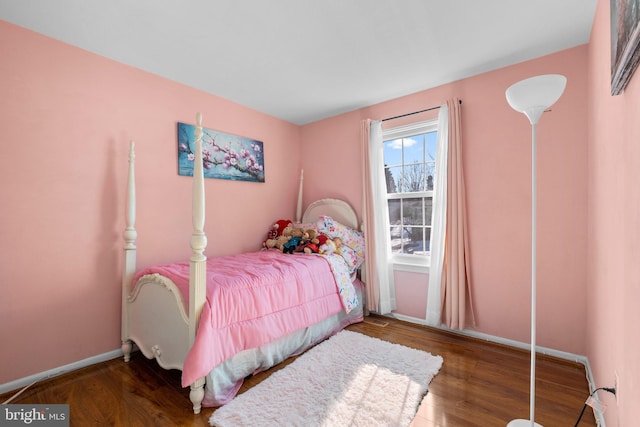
{"x":252,"y":299}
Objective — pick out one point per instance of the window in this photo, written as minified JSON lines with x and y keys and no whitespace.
{"x":409,"y":159}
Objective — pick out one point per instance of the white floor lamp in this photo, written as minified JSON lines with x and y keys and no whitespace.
{"x":531,"y":97}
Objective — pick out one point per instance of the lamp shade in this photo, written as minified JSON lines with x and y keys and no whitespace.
{"x":533,"y":95}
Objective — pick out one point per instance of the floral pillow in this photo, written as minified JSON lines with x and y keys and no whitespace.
{"x":352,"y":239}
{"x":351,"y":258}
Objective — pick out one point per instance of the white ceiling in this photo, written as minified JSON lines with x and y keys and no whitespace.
{"x":303,"y":60}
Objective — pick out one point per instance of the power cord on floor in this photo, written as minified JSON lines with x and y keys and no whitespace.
{"x":609,"y":389}
{"x":9,"y":400}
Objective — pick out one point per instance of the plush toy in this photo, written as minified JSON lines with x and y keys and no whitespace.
{"x":312,"y":244}
{"x":313,"y":234}
{"x":280,"y":242}
{"x":294,"y":236}
{"x":269,"y":244}
{"x":322,"y":239}
{"x":310,"y":248}
{"x":291,"y":245}
{"x":278,"y":227}
{"x":331,"y":246}
{"x":338,"y":243}
{"x":274,"y":232}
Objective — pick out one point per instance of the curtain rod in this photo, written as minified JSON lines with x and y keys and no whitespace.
{"x":415,"y":112}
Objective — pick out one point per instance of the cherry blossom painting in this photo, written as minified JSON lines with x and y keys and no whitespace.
{"x":224,"y":156}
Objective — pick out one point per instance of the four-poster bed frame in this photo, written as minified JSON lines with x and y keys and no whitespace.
{"x":153,"y":310}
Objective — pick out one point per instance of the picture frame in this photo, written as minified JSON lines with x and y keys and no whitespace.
{"x":224,"y":156}
{"x":625,"y":42}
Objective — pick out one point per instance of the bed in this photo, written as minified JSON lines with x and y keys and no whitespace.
{"x":222,"y":319}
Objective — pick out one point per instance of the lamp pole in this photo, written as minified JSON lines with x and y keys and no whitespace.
{"x":532,"y":387}
{"x":532,"y":97}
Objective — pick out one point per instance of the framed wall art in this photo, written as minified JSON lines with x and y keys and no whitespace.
{"x":224,"y":156}
{"x":625,"y":42}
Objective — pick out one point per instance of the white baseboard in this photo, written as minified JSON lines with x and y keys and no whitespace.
{"x":23,"y":382}
{"x":583,"y":360}
{"x":597,"y":411}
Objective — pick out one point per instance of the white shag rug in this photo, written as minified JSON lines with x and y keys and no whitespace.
{"x":348,"y":380}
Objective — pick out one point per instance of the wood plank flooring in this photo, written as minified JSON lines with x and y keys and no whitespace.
{"x":479,"y":384}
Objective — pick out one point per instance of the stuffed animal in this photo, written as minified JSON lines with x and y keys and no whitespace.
{"x":331,"y":246}
{"x":338,"y":243}
{"x":280,"y":241}
{"x":278,"y":227}
{"x":310,"y":248}
{"x":291,"y":245}
{"x":312,"y":244}
{"x":274,"y":232}
{"x":313,"y":234}
{"x":277,"y":243}
{"x":269,"y":244}
{"x":322,"y":239}
{"x":295,"y":237}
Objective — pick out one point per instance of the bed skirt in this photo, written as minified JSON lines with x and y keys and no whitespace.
{"x":224,"y":381}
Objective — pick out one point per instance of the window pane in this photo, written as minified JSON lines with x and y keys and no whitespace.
{"x":392,"y":152}
{"x":395,"y":215}
{"x":431,"y":140}
{"x":413,"y":149}
{"x":427,"y":246}
{"x":428,"y":207}
{"x":418,"y":241}
{"x":431,"y":143}
{"x":396,"y":238}
{"x":415,"y":242}
{"x":414,"y":177}
{"x":393,"y":176}
{"x":399,"y":238}
{"x":412,"y":212}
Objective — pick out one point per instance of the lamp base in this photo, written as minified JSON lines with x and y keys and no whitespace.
{"x":522,"y":423}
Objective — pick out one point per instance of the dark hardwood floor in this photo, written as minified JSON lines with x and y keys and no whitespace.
{"x":479,"y":384}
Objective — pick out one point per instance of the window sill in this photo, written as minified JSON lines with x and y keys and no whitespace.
{"x":412,"y":265}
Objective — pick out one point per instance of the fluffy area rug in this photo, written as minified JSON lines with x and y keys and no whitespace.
{"x":348,"y":380}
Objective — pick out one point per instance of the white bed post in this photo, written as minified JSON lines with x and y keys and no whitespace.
{"x":299,"y":206}
{"x":130,"y":235}
{"x":198,"y":265}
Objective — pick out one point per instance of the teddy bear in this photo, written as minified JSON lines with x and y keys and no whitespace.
{"x":269,"y":244}
{"x":280,"y":241}
{"x":311,"y":245}
{"x":313,"y":234}
{"x":277,"y":243}
{"x":295,"y":237}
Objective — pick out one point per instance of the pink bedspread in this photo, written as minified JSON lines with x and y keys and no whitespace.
{"x":252,"y":299}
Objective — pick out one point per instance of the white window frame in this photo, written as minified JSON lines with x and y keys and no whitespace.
{"x":410,"y":262}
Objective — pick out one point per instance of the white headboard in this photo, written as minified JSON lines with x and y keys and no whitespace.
{"x":339,"y":210}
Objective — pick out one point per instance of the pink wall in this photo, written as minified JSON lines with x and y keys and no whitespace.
{"x":67,"y":117}
{"x":613,"y":229}
{"x":497,"y":159}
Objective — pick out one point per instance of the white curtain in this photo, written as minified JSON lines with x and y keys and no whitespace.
{"x":438,"y":220}
{"x":378,"y":268}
